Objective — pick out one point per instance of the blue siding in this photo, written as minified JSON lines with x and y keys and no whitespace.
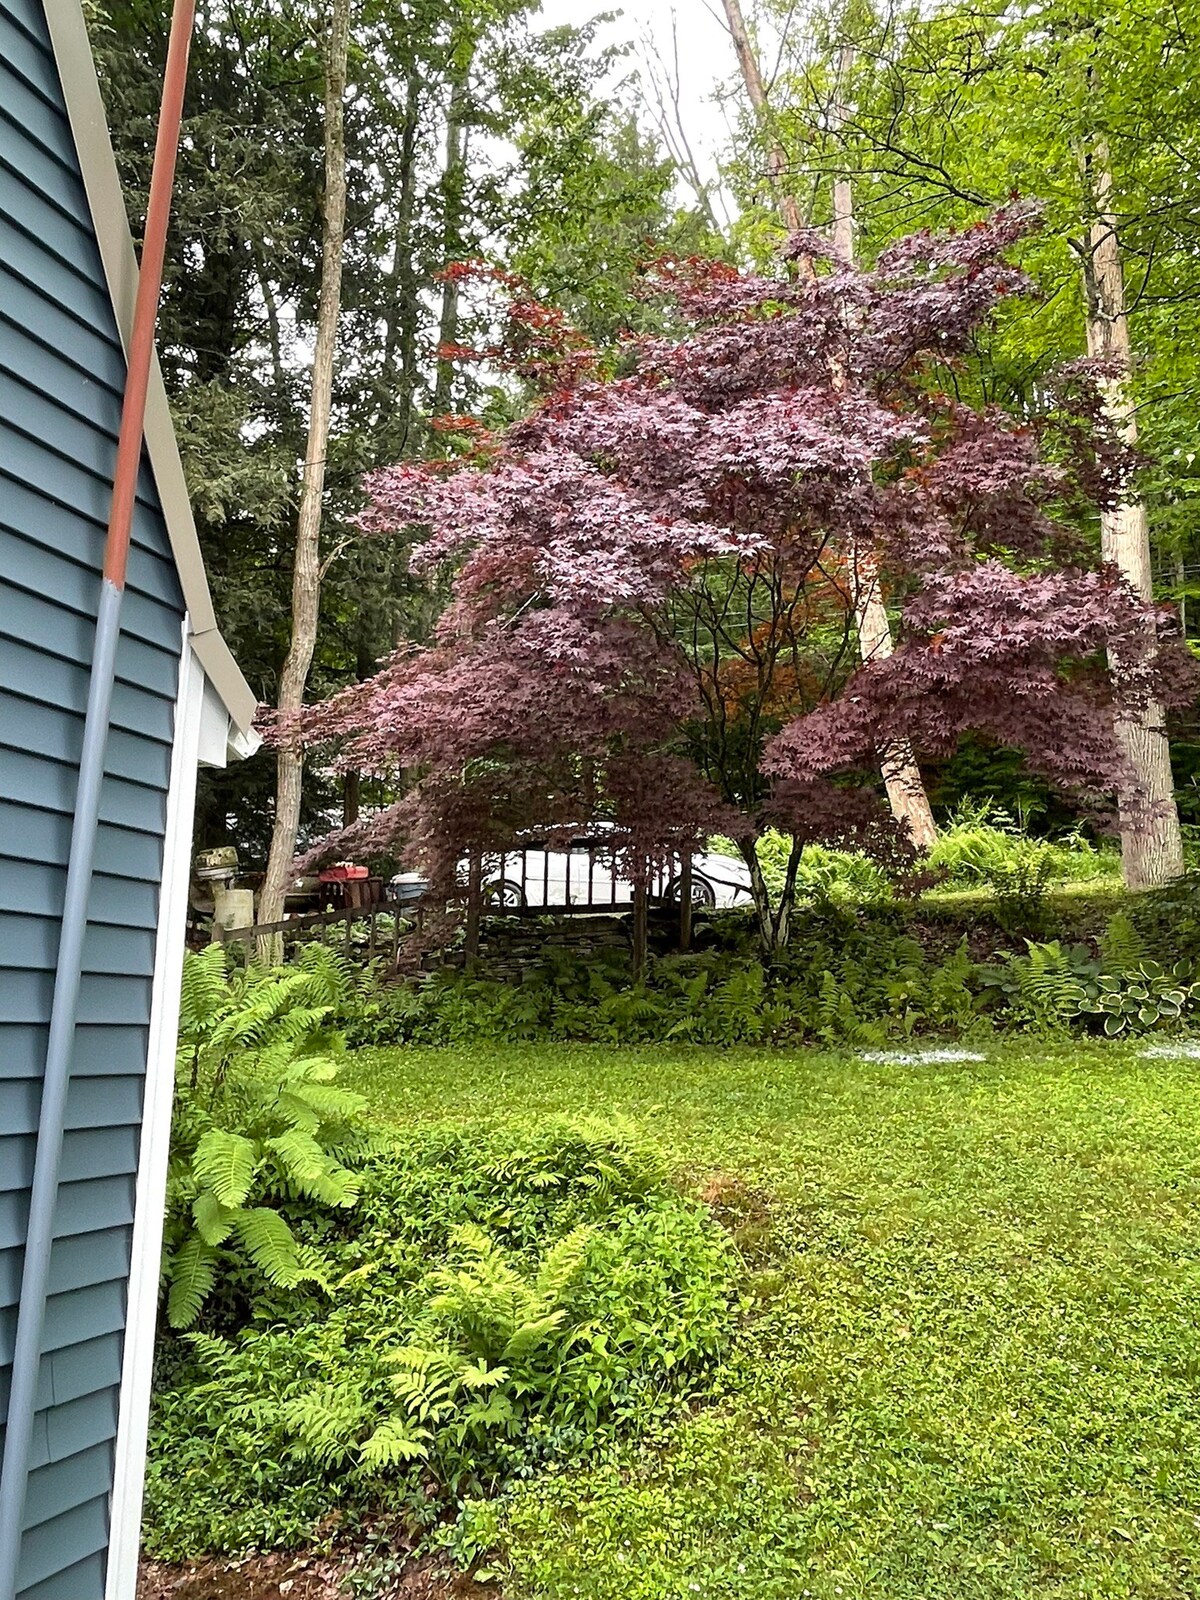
{"x":61,"y":373}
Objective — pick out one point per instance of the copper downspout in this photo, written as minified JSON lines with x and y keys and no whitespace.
{"x":43,"y":1198}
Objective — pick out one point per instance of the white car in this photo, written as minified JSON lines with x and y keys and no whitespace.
{"x":582,"y":875}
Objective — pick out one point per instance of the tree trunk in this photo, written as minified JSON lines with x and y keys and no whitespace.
{"x":901,"y":775}
{"x":306,"y":578}
{"x":453,"y":183}
{"x":777,"y":161}
{"x":641,"y":928}
{"x":774,"y":921}
{"x":1151,"y":842}
{"x":685,"y":901}
{"x":474,"y":909}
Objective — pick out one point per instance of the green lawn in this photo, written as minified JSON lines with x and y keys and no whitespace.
{"x":968,"y":1364}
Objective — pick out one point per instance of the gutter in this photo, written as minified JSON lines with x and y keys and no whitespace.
{"x":43,"y":1199}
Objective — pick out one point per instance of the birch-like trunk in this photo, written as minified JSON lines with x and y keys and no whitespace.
{"x":453,"y":187}
{"x":306,"y":569}
{"x":901,"y":774}
{"x":1151,"y":842}
{"x":777,"y":162}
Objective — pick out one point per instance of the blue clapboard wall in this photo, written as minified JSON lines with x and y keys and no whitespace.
{"x":61,"y":375}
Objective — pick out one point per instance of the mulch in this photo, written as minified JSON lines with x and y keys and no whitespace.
{"x":296,"y":1577}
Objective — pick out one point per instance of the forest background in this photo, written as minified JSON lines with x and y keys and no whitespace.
{"x":477,"y":130}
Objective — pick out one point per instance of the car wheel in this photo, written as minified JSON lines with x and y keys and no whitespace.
{"x":703,"y":893}
{"x":504,"y":892}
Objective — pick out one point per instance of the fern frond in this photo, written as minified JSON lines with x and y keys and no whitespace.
{"x":326,"y":1421}
{"x":394,"y":1443}
{"x":203,"y":992}
{"x":191,"y":1273}
{"x":530,"y":1336}
{"x":214,"y":1221}
{"x":312,"y":1170}
{"x":271,"y":1246}
{"x":225,"y":1162}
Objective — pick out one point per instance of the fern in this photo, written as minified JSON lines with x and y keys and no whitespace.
{"x":214,"y":1221}
{"x":260,"y":1122}
{"x":192,"y":1271}
{"x":395,"y":1442}
{"x":1122,"y":948}
{"x":327,"y":1420}
{"x":225,"y":1162}
{"x":308,"y":1166}
{"x":271,"y":1246}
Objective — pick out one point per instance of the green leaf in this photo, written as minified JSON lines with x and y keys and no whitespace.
{"x":191,"y":1272}
{"x":214,"y":1222}
{"x":531,"y":1335}
{"x":225,"y":1163}
{"x":312,"y":1170}
{"x":393,"y":1443}
{"x":271,"y":1246}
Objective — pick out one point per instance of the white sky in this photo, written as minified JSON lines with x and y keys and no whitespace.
{"x":657,"y":28}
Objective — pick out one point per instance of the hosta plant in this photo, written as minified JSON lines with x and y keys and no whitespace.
{"x":1143,"y":998}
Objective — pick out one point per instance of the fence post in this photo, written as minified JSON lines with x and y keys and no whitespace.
{"x":685,"y":901}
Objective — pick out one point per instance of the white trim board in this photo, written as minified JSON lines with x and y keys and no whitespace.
{"x":137,"y":1363}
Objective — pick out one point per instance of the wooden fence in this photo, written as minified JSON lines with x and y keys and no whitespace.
{"x":367,"y":932}
{"x":361,"y":932}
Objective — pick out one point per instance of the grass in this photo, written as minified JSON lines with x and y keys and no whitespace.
{"x":968,"y":1363}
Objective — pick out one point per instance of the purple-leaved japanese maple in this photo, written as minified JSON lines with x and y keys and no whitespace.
{"x":652,"y":607}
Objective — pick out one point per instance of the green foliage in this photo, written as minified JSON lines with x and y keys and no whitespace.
{"x":1168,"y":919}
{"x":1052,"y":987}
{"x":843,"y":876}
{"x":970,"y":1371}
{"x":500,"y":1299}
{"x":983,"y":845}
{"x":1047,"y":987}
{"x":1142,"y":998}
{"x":261,"y":1127}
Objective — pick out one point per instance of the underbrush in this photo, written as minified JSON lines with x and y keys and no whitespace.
{"x":454,"y":1310}
{"x":854,"y":976}
{"x":980,"y":847}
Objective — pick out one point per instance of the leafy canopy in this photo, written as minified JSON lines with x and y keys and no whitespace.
{"x":656,"y":573}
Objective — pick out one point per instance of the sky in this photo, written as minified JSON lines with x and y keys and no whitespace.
{"x":657,"y":29}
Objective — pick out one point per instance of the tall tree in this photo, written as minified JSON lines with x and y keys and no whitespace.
{"x":650,"y":620}
{"x":1151,"y":839}
{"x":902,"y":776}
{"x":306,"y":564}
{"x":242,"y":290}
{"x":954,"y":109}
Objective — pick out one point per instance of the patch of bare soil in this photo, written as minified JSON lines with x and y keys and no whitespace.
{"x":300,"y":1577}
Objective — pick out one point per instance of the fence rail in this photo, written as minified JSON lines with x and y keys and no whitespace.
{"x":381,"y":924}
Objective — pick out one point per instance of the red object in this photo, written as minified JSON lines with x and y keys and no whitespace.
{"x":342,"y":874}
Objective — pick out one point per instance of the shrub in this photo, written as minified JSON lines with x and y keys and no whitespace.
{"x":984,"y":845}
{"x":824,"y":873}
{"x":1044,"y":988}
{"x":499,"y":1300}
